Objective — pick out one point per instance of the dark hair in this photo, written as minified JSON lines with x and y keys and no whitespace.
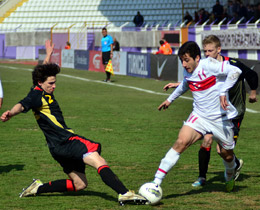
{"x":161,"y":42}
{"x":190,"y":48}
{"x":43,"y":71}
{"x":104,"y":29}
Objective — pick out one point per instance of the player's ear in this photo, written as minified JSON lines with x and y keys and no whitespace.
{"x":219,"y":50}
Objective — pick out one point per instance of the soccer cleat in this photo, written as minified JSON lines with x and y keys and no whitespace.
{"x":130,"y":196}
{"x":230,"y":185}
{"x":199,"y":182}
{"x":237,"y":170}
{"x":31,"y":189}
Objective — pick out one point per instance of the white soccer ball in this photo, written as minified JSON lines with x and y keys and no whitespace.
{"x":152,"y":192}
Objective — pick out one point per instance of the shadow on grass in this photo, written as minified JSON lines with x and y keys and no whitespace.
{"x":83,"y":193}
{"x":10,"y":167}
{"x":215,"y":184}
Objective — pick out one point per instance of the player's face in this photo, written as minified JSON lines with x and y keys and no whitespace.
{"x":104,"y":32}
{"x":210,"y":50}
{"x":189,"y":63}
{"x":49,"y":85}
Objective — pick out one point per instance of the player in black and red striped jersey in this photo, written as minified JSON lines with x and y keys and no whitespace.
{"x":72,"y":151}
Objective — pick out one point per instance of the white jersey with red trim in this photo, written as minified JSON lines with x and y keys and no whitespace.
{"x":207,"y":82}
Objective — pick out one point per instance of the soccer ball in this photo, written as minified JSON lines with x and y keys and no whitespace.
{"x":152,"y":192}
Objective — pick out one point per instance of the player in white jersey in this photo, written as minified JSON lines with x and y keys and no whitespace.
{"x":211,"y":109}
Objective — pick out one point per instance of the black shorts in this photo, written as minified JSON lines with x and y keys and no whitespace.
{"x":237,"y":124}
{"x":70,"y":153}
{"x":105,"y":57}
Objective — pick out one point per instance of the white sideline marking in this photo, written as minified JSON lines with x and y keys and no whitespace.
{"x":118,"y":85}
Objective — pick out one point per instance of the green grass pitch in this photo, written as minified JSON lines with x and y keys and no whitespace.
{"x":134,"y":137}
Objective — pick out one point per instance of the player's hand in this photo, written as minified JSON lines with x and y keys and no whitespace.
{"x":252,"y":97}
{"x":6,"y":116}
{"x":164,"y":105}
{"x":49,"y":46}
{"x":223,"y":102}
{"x":171,"y":85}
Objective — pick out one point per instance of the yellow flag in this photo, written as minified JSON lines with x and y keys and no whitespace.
{"x":109,"y":67}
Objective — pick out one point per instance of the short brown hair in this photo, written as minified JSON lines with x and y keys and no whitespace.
{"x":211,"y":39}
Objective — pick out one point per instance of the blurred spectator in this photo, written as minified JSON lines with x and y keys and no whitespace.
{"x":196,"y":17}
{"x":250,"y":11}
{"x":257,"y":12}
{"x":236,"y":6}
{"x":138,"y":20}
{"x":230,"y":10}
{"x":116,"y":45}
{"x":67,"y":47}
{"x":242,"y":12}
{"x":218,"y":11}
{"x":203,"y":16}
{"x":165,"y":48}
{"x":187,"y":17}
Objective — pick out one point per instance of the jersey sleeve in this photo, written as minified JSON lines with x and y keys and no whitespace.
{"x":31,"y":101}
{"x":181,"y":89}
{"x":111,"y":40}
{"x":248,"y":74}
{"x":1,"y":90}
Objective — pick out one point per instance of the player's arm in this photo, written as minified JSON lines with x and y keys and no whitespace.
{"x":1,"y":94}
{"x":233,"y":74}
{"x":181,"y":89}
{"x":252,"y":80}
{"x":17,"y":109}
{"x":49,"y":46}
{"x":171,"y":85}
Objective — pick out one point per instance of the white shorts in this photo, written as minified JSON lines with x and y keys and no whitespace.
{"x":222,"y":131}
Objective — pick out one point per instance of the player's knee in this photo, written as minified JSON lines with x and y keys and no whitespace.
{"x":180,"y":145}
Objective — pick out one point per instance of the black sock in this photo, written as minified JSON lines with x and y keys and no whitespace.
{"x":62,"y":185}
{"x":110,"y":179}
{"x":108,"y":75}
{"x":204,"y":157}
{"x":237,"y":162}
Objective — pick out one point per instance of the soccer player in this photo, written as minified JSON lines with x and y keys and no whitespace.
{"x":237,"y":96}
{"x":209,"y":81}
{"x":107,"y":51}
{"x":70,"y":150}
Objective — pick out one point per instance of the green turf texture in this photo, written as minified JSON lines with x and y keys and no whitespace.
{"x":134,"y":135}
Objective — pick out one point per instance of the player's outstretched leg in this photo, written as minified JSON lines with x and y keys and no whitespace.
{"x":229,"y":174}
{"x":37,"y":187}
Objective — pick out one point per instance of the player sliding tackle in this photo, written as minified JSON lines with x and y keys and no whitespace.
{"x":209,"y":81}
{"x":70,"y":150}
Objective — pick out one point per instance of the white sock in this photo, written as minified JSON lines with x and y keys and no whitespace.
{"x":229,"y":169}
{"x":166,"y":164}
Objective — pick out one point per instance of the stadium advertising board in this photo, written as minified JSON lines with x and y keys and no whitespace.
{"x":138,"y":65}
{"x":242,"y":39}
{"x":56,"y":56}
{"x":95,"y":61}
{"x":81,"y":59}
{"x":119,"y":62}
{"x":164,"y":67}
{"x":25,"y":52}
{"x":67,"y":58}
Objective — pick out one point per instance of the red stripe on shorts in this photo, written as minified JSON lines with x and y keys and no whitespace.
{"x":92,"y":147}
{"x":190,"y":118}
{"x":194,"y":119}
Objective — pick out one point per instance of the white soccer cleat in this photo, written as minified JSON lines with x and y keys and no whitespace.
{"x":130,"y":196}
{"x":32,"y":188}
{"x":237,"y":171}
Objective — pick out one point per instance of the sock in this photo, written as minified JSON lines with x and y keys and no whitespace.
{"x":166,"y":164}
{"x":108,"y":75}
{"x":229,"y":169}
{"x":204,"y":157}
{"x":110,"y":179}
{"x":237,"y":162}
{"x":62,"y":185}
